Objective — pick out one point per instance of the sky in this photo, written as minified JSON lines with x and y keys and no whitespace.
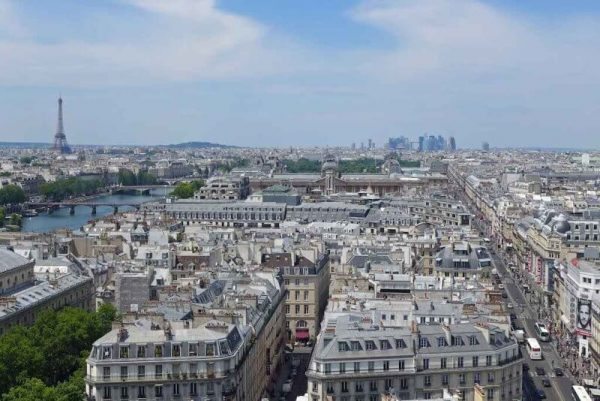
{"x":301,"y":73}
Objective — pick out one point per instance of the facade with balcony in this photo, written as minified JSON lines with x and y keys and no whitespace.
{"x":355,"y":359}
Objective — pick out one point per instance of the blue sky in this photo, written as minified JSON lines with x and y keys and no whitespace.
{"x":283,"y":72}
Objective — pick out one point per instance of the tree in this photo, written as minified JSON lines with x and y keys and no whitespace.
{"x":184,"y":190}
{"x":26,"y":159}
{"x":51,"y":352}
{"x":12,"y":194}
{"x":32,"y":389}
{"x":302,"y":165}
{"x":61,"y":189}
{"x":2,"y":216}
{"x":15,"y":219}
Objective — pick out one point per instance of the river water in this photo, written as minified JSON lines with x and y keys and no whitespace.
{"x":61,"y":218}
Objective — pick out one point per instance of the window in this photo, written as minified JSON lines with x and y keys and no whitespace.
{"x":297,"y":309}
{"x":297,"y":295}
{"x":490,"y":393}
{"x":106,"y":372}
{"x":473,"y":340}
{"x":306,"y":295}
{"x":383,"y":316}
{"x":287,"y":309}
{"x":401,"y":365}
{"x":445,"y":379}
{"x":442,"y":342}
{"x":327,"y":368}
{"x":342,"y":346}
{"x":488,"y":360}
{"x":357,"y":367}
{"x":124,"y":393}
{"x":461,"y":378}
{"x":106,"y":393}
{"x":370,"y":345}
{"x":106,"y":352}
{"x":176,"y":350}
{"x":356,"y":346}
{"x":461,"y":362}
{"x":458,"y":341}
{"x":141,"y":351}
{"x":158,"y":371}
{"x":141,"y":371}
{"x":210,"y":388}
{"x":123,"y":372}
{"x":342,"y":367}
{"x":193,"y":349}
{"x":330,"y":389}
{"x":443,"y":363}
{"x":426,"y":363}
{"x":158,"y":351}
{"x":176,"y":389}
{"x":490,"y":377}
{"x":423,"y":342}
{"x":403,"y":383}
{"x":373,"y":385}
{"x":193,"y":389}
{"x":158,"y":390}
{"x":384,"y":344}
{"x":388,"y":384}
{"x":344,"y":387}
{"x":427,"y":380}
{"x":386,"y":365}
{"x":371,"y":366}
{"x":141,"y":392}
{"x":475,"y":361}
{"x":400,"y":343}
{"x":476,"y":378}
{"x":358,"y":387}
{"x":306,"y":308}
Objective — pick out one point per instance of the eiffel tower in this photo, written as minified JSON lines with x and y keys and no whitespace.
{"x":60,"y":139}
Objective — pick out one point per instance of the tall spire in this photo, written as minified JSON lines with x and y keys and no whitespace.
{"x":60,"y":129}
{"x":60,"y":139}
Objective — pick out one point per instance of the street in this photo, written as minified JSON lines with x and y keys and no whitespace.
{"x":527,"y":315}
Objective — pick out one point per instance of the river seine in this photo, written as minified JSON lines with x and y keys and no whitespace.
{"x":62,"y":219}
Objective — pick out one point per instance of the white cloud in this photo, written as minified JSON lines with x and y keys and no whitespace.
{"x":198,"y":41}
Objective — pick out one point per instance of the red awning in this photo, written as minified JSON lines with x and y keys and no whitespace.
{"x":302,"y":334}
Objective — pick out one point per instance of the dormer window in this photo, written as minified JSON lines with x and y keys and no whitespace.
{"x":457,"y":341}
{"x":400,"y":343}
{"x":424,"y":342}
{"x":441,"y":342}
{"x":342,"y":347}
{"x":370,"y":345}
{"x":356,"y":346}
{"x":473,"y":340}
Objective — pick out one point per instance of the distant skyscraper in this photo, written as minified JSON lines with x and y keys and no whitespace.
{"x":485,"y":146}
{"x":452,"y":144}
{"x":370,"y":142}
{"x":353,"y":145}
{"x":401,"y":142}
{"x":60,"y":139}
